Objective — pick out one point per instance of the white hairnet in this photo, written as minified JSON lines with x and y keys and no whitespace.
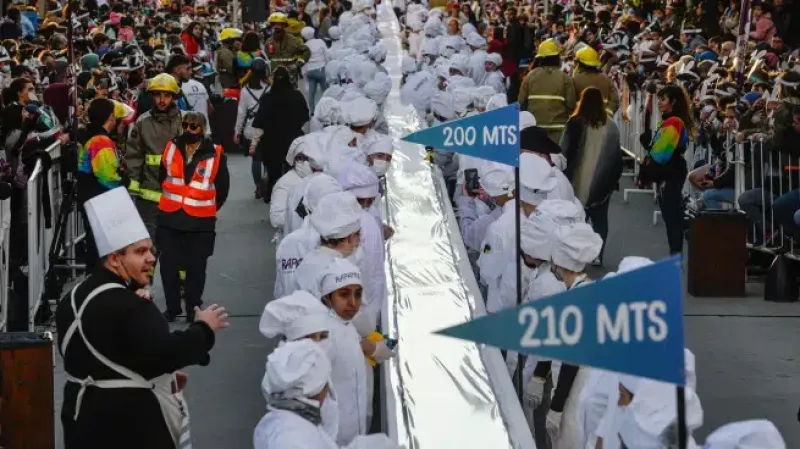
{"x":430,"y":48}
{"x":377,"y":52}
{"x":297,"y":369}
{"x":468,"y":28}
{"x":475,"y":40}
{"x":373,"y":441}
{"x":359,"y":180}
{"x":753,"y":434}
{"x":319,"y":185}
{"x":495,"y":59}
{"x":335,"y":33}
{"x":537,"y":232}
{"x":433,"y":27}
{"x":497,"y":179}
{"x":296,"y":147}
{"x":307,"y":33}
{"x":360,"y":112}
{"x":339,"y":273}
{"x":378,"y":89}
{"x":381,"y":144}
{"x":295,"y":316}
{"x":575,"y":245}
{"x":536,"y":177}
{"x":329,"y":112}
{"x":526,"y":120}
{"x":460,"y":62}
{"x":496,"y":102}
{"x":409,"y":65}
{"x":655,"y":410}
{"x":337,"y":216}
{"x":443,"y":105}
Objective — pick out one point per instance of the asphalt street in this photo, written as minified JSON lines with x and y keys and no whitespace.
{"x":746,"y":348}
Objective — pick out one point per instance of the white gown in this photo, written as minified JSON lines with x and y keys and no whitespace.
{"x":290,"y":253}
{"x":286,"y":430}
{"x":348,"y":377}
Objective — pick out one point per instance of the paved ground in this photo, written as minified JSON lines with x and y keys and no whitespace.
{"x":745,"y":348}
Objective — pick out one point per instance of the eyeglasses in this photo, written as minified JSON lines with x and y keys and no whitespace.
{"x":191,"y":126}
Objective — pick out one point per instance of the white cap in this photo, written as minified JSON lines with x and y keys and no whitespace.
{"x":537,"y":232}
{"x":115,"y":221}
{"x":328,"y":112}
{"x":307,"y":33}
{"x":754,"y":434}
{"x":654,"y":411}
{"x":475,"y":40}
{"x":318,"y":186}
{"x":409,"y":65}
{"x":443,"y":104}
{"x":295,"y":316}
{"x":575,"y":245}
{"x":377,"y":52}
{"x":526,"y":120}
{"x":495,"y":59}
{"x":359,"y":180}
{"x":335,"y":33}
{"x":536,"y":177}
{"x":373,"y":441}
{"x":361,"y":111}
{"x":378,"y":89}
{"x":497,"y":179}
{"x":380,"y":144}
{"x":462,"y":99}
{"x":337,"y":215}
{"x":468,"y":28}
{"x":296,"y":147}
{"x":339,"y":273}
{"x":297,"y":369}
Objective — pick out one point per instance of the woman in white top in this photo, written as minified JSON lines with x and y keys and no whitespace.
{"x":314,"y":68}
{"x":248,"y":106}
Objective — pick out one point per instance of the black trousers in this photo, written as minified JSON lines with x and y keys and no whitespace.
{"x":188,"y":251}
{"x":670,"y":200}
{"x":598,"y":216}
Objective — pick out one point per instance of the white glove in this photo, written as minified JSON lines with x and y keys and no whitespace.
{"x":534,"y":392}
{"x":553,"y":425}
{"x":364,"y":322}
{"x":382,"y":352}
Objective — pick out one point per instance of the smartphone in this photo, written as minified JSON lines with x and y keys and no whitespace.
{"x":471,"y":180}
{"x":391,"y":343}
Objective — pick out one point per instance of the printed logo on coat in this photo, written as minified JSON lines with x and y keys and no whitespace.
{"x":290,"y":264}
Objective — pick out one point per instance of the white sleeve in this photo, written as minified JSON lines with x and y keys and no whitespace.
{"x":373,"y":262}
{"x":240,"y":114}
{"x":277,"y":204}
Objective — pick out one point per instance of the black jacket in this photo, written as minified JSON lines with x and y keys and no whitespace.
{"x":131,"y":332}
{"x":180,"y":220}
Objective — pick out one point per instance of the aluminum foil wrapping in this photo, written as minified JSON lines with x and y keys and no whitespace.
{"x":440,"y":393}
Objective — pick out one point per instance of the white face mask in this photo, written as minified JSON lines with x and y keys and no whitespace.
{"x":380,"y":167}
{"x":303,"y":168}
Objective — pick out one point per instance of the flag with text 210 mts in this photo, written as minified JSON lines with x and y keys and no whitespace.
{"x":631,"y":323}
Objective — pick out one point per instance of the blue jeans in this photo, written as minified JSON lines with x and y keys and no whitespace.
{"x":713,"y":198}
{"x":315,"y":79}
{"x":784,"y":208}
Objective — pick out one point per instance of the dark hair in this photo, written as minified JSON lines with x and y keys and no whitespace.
{"x":681,"y":106}
{"x":250,"y":42}
{"x":99,"y":111}
{"x":591,"y":107}
{"x":11,"y":93}
{"x":497,"y":33}
{"x":175,"y":61}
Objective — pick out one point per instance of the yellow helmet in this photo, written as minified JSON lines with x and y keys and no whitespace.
{"x":163,"y":82}
{"x":278,"y":17}
{"x":588,"y":56}
{"x":230,"y":33}
{"x":548,"y":48}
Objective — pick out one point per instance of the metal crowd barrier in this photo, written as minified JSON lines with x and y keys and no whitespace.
{"x":42,"y":230}
{"x":5,"y":245}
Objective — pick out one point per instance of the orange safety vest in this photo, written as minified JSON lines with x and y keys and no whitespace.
{"x":199,"y":197}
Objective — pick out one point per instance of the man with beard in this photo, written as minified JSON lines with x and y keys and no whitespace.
{"x":283,"y":49}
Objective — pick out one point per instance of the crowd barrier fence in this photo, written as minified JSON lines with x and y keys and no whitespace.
{"x":5,"y":245}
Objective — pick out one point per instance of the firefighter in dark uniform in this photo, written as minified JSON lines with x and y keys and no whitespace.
{"x":587,"y":74}
{"x":121,"y":360}
{"x":283,"y":49}
{"x":194,"y":185}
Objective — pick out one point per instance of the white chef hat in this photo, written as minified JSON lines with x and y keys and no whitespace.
{"x":631,"y":263}
{"x":359,"y":180}
{"x":496,"y":102}
{"x":373,"y":441}
{"x":654,"y":409}
{"x":296,"y":147}
{"x":537,"y":231}
{"x":377,"y":52}
{"x":115,"y":221}
{"x":328,"y":112}
{"x":361,"y":111}
{"x":495,"y":59}
{"x":443,"y":105}
{"x":339,"y":273}
{"x":335,"y":33}
{"x":468,"y":28}
{"x":575,"y":245}
{"x":475,"y":40}
{"x":295,"y":316}
{"x":753,"y":434}
{"x":433,"y":26}
{"x":462,"y":99}
{"x":409,"y":65}
{"x":381,"y":144}
{"x":430,"y":48}
{"x":497,"y":179}
{"x":307,"y":33}
{"x":460,"y":62}
{"x":337,"y":215}
{"x":319,"y":185}
{"x":481,"y":95}
{"x":536,"y":178}
{"x":377,"y":90}
{"x":296,"y":369}
{"x":526,"y":120}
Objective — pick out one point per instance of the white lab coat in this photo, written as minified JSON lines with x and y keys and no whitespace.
{"x":290,"y":253}
{"x":292,"y":221}
{"x":371,"y":263}
{"x":476,"y":68}
{"x":348,"y":377}
{"x":286,"y":430}
{"x":541,"y":284}
{"x":497,"y":250}
{"x":495,"y":80}
{"x":475,"y":218}
{"x":599,"y":394}
{"x":280,"y":196}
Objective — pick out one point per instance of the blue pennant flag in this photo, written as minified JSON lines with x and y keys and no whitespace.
{"x":492,"y":135}
{"x":631,"y":323}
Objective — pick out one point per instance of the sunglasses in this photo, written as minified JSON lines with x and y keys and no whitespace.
{"x":191,"y":126}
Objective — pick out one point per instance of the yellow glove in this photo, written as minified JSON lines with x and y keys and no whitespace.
{"x":376,"y":337}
